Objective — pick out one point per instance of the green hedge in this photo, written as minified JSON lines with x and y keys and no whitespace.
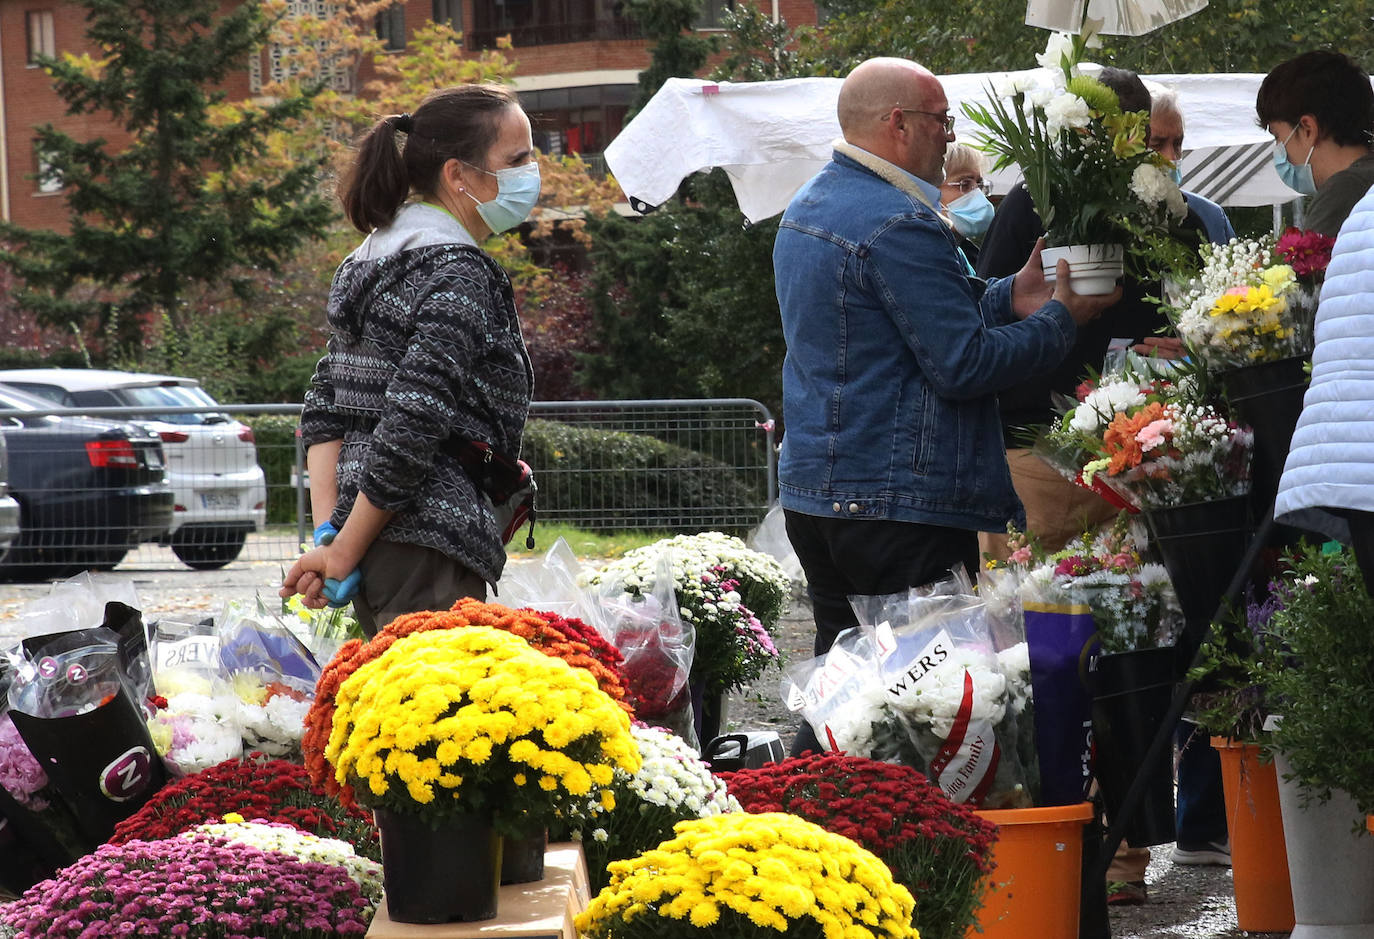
{"x":604,"y":480}
{"x":600,"y":480}
{"x":276,"y":440}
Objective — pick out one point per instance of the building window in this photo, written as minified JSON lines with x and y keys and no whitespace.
{"x":41,"y":39}
{"x":318,"y":58}
{"x":391,"y":27}
{"x":449,"y":13}
{"x":49,"y":180}
{"x":713,"y":14}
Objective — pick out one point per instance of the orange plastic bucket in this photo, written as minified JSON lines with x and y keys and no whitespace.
{"x":1259,"y":858}
{"x":1037,"y":878}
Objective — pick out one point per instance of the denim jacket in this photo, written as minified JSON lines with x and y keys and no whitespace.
{"x":895,"y":355}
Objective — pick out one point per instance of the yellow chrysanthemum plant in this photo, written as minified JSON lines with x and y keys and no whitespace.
{"x":474,"y":721}
{"x":751,"y":877}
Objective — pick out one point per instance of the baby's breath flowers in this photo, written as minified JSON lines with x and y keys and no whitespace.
{"x":750,"y":877}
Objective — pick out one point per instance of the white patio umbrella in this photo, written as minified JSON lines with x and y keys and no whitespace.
{"x":1119,"y":17}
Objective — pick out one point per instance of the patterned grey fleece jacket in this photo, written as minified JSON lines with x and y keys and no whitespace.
{"x":425,"y":352}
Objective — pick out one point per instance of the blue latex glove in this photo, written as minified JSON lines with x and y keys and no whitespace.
{"x":341,"y":592}
{"x":324,"y":533}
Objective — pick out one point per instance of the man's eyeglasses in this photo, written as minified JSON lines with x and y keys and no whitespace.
{"x":945,"y":119}
{"x":968,"y":185}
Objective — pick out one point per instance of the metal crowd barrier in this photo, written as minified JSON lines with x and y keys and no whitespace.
{"x":670,"y":465}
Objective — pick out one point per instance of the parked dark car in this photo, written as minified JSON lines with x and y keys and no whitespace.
{"x":88,"y":490}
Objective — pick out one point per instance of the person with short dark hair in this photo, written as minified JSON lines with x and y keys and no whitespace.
{"x":425,"y":356}
{"x":1319,"y":108}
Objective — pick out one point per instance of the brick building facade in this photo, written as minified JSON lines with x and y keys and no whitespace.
{"x":577,"y":67}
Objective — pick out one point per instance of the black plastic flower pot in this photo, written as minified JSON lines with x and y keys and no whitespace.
{"x":522,"y":859}
{"x":443,"y":872}
{"x":1131,"y":696}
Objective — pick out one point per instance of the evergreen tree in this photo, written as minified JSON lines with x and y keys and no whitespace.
{"x":177,"y":205}
{"x":678,"y":51}
{"x":682,"y":302}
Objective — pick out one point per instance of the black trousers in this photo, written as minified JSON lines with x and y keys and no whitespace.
{"x":867,"y":557}
{"x":1362,"y":542}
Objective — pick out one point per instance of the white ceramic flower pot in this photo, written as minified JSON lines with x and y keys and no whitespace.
{"x":1093,"y":269}
{"x":1330,"y":864}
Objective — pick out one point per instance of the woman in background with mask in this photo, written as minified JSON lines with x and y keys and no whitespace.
{"x":964,"y":196}
{"x":1319,"y":108}
{"x":425,"y":354}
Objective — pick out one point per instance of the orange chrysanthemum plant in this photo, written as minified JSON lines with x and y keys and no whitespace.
{"x":574,"y":642}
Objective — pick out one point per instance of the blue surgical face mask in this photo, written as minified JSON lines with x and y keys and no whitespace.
{"x":1176,"y":175}
{"x":971,"y":214}
{"x":1298,"y":178}
{"x":517,"y":192}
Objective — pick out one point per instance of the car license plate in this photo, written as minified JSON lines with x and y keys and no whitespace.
{"x":219,"y":500}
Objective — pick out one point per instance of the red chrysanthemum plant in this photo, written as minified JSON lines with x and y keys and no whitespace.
{"x":256,"y":788}
{"x":938,"y":850}
{"x":569,"y":639}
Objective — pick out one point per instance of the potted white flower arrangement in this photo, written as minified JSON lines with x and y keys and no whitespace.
{"x":1104,"y":197}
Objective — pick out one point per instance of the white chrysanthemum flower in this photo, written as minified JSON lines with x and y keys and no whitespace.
{"x":1065,"y":112}
{"x":1150,"y":185}
{"x":1104,"y":402}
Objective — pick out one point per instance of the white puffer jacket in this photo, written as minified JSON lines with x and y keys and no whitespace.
{"x":1330,"y":466}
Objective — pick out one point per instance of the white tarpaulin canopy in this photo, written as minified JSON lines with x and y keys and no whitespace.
{"x":770,"y":137}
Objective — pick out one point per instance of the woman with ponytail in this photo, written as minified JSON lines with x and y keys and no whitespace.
{"x":425,"y":355}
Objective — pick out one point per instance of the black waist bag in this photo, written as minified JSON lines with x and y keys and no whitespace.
{"x":507,"y":485}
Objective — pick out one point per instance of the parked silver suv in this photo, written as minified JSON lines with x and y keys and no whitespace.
{"x":212,"y":461}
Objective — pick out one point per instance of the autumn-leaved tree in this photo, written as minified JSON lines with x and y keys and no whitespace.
{"x":166,"y":209}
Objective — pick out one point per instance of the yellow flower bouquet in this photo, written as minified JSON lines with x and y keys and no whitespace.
{"x":750,"y":877}
{"x":474,"y":721}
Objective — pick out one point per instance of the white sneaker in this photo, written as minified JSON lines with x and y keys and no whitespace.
{"x":1216,"y":854}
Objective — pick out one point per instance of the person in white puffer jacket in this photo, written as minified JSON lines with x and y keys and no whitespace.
{"x":1328,"y":479}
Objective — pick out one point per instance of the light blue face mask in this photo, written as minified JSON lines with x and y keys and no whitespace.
{"x":1298,"y":178}
{"x":1176,"y":175}
{"x":517,"y":192}
{"x":971,"y":214}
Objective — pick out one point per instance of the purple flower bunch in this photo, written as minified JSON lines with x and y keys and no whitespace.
{"x":204,"y":887}
{"x":21,"y":774}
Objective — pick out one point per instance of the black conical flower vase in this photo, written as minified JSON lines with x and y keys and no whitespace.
{"x":1132,"y":692}
{"x":1268,"y":397}
{"x":1200,"y":544}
